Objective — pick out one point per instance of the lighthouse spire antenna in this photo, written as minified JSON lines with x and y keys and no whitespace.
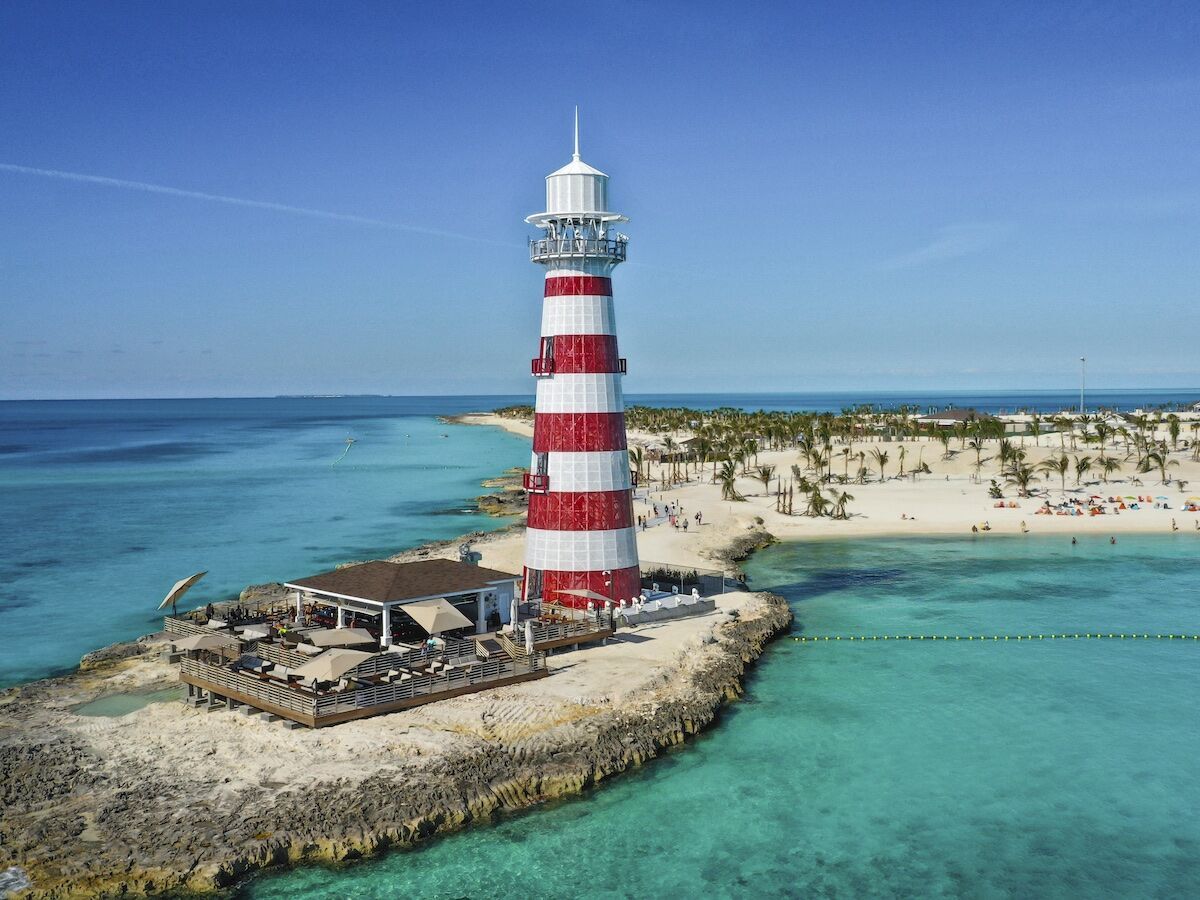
{"x":576,"y":154}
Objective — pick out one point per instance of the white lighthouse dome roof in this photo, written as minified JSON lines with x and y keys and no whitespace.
{"x":576,"y":190}
{"x":576,"y":167}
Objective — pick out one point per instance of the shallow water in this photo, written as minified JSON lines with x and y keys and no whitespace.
{"x":106,"y":504}
{"x":114,"y":705}
{"x":1049,"y":769}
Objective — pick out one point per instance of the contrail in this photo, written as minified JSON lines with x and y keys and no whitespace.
{"x":242,"y":201}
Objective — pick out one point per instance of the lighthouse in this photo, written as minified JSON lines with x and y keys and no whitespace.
{"x":580,"y":544}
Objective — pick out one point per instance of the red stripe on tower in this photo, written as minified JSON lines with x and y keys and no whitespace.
{"x":578,"y":432}
{"x":578,"y":286}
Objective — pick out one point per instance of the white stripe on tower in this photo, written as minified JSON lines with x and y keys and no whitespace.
{"x":597,"y":470}
{"x":578,"y":315}
{"x":581,"y":393}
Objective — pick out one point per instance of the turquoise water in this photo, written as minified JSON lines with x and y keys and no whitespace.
{"x":1047,"y":769}
{"x":114,"y":705}
{"x":106,"y":504}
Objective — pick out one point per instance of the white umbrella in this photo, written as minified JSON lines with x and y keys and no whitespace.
{"x":512,"y":614}
{"x":202,"y":642}
{"x":436,"y":616}
{"x":180,"y":588}
{"x":331,"y":665}
{"x":339,"y":637}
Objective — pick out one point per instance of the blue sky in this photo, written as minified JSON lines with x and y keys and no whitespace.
{"x":822,"y":196}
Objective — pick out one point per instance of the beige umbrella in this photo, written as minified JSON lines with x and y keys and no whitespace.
{"x":436,"y":616}
{"x":330,"y":665}
{"x":202,"y":642}
{"x":339,"y":637}
{"x":587,"y":595}
{"x":181,"y":588}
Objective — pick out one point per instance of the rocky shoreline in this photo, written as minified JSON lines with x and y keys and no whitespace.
{"x":82,"y":824}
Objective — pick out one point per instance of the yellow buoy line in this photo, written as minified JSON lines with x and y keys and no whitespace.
{"x":1080,"y":636}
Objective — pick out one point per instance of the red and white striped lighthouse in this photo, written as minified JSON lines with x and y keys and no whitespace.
{"x":581,"y":534}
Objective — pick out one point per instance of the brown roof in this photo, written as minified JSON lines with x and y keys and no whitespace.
{"x":387,"y":582}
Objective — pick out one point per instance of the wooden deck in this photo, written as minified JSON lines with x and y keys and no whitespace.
{"x":317,"y":710}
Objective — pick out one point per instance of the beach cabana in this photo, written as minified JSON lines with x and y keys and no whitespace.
{"x":381,"y":589}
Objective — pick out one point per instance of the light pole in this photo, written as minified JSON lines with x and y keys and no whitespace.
{"x":1082,"y":379}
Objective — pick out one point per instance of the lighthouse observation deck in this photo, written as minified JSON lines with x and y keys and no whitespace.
{"x":550,"y":248}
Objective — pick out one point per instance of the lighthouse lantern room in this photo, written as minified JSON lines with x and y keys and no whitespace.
{"x":580,"y":536}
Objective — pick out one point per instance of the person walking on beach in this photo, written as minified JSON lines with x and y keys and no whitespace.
{"x":685,"y":521}
{"x":699,"y":516}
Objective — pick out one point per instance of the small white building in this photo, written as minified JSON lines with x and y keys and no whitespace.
{"x":382,"y":589}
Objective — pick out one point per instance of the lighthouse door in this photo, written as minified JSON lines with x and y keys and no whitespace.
{"x":533,"y":584}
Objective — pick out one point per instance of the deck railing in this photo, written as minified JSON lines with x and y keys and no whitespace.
{"x":546,"y":248}
{"x":296,"y":699}
{"x":273,"y":693}
{"x":279,"y":654}
{"x":512,"y":648}
{"x":425,"y":685}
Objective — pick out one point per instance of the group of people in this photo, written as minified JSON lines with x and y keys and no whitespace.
{"x":673,"y":510}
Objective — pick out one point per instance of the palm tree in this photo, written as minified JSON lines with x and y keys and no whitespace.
{"x":1109,"y":464}
{"x":839,"y":506}
{"x":881,"y":460}
{"x":900,"y":458}
{"x":1022,"y":475}
{"x":817,"y":504}
{"x":1158,"y":459}
{"x":765,"y":474}
{"x":1057,"y":465}
{"x":1173,"y":427}
{"x":637,"y":456}
{"x":728,"y":479}
{"x":1083,"y":465}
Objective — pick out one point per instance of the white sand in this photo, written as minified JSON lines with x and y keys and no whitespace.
{"x":946,"y":502}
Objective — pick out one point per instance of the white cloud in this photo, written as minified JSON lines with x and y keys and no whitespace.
{"x":146,"y":187}
{"x":950,"y":243}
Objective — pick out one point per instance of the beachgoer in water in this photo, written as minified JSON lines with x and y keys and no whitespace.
{"x":1112,"y":540}
{"x":1074,"y":542}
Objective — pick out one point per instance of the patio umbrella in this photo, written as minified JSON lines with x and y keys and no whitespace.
{"x":339,"y":637}
{"x":331,"y":665}
{"x":587,"y":595}
{"x":436,"y":616}
{"x":202,"y":642}
{"x":180,"y":588}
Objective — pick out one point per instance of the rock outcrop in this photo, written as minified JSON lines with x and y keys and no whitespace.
{"x":83,"y":813}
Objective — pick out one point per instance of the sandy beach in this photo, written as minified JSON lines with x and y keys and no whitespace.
{"x":947,"y":502}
